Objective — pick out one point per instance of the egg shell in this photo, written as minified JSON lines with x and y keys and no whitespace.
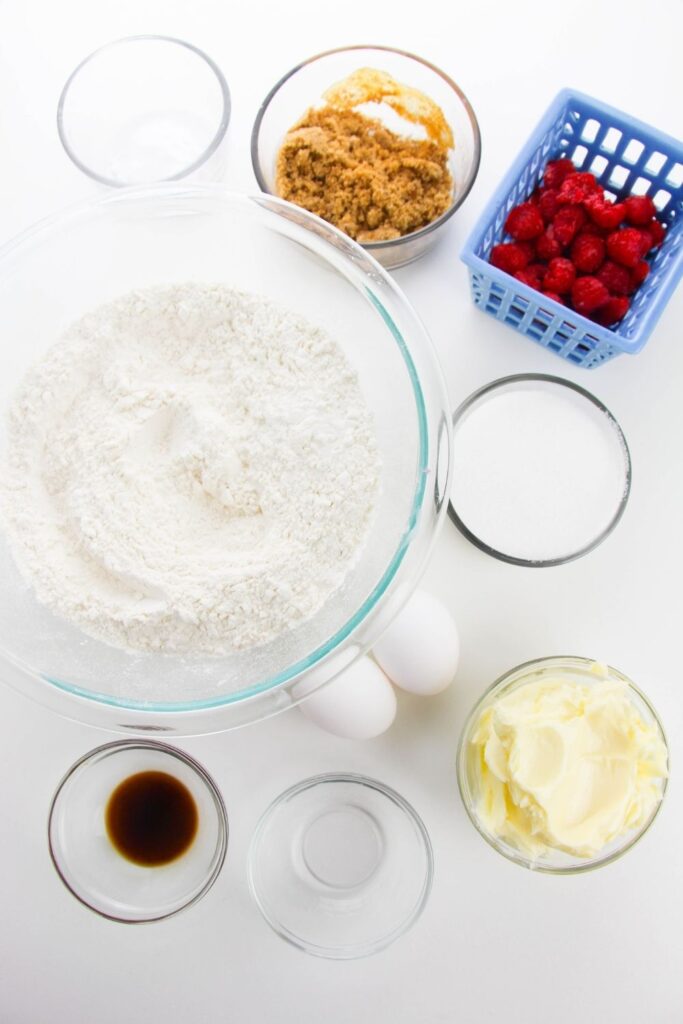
{"x":420,"y":650}
{"x":358,"y":704}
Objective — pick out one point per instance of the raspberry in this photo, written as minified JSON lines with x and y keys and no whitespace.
{"x":539,"y":271}
{"x":588,"y":253}
{"x":548,"y":205}
{"x":547,"y":246}
{"x":639,"y":210}
{"x":524,"y":222}
{"x":612,"y":311}
{"x":578,"y":186}
{"x":640,"y":272}
{"x":527,"y":277}
{"x":560,"y":276}
{"x":616,"y":279}
{"x":603,"y":213}
{"x":591,"y":228}
{"x":529,"y":250}
{"x":508,"y":257}
{"x":555,"y":297}
{"x":626,"y":246}
{"x":588,"y":294}
{"x":657,"y":231}
{"x":567,"y":222}
{"x":556,"y":171}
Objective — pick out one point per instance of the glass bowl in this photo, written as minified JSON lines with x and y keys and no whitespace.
{"x":340,"y":866}
{"x":67,"y":265}
{"x":144,"y":109}
{"x":89,"y":864}
{"x":302,"y":88}
{"x":479,"y":501}
{"x":573,"y":670}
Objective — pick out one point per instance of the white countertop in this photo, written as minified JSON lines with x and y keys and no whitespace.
{"x":495,"y":942}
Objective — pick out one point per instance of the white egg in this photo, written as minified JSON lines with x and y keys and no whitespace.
{"x":420,"y":650}
{"x":359,"y":704}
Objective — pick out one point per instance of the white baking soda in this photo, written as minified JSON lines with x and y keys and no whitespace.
{"x":189,"y":469}
{"x":539,"y":472}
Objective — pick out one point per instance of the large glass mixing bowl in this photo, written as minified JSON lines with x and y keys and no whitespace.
{"x":65,"y":266}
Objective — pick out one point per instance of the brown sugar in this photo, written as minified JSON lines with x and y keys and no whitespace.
{"x":356,"y":173}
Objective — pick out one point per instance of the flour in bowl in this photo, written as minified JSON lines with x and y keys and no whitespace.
{"x":189,"y":469}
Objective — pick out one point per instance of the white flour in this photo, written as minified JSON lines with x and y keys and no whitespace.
{"x":189,"y":468}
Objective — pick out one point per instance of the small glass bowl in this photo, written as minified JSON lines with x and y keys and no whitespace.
{"x":573,"y":670}
{"x":340,"y":866}
{"x":303,"y":87}
{"x":509,"y":503}
{"x":144,"y":109}
{"x":88,"y":863}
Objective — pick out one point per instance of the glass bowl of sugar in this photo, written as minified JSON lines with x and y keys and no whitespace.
{"x":541,"y":470}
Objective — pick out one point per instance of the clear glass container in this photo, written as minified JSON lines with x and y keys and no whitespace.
{"x":145,"y":109}
{"x":340,"y":866}
{"x":67,"y":265}
{"x":303,"y":87}
{"x":548,"y":529}
{"x":92,"y":868}
{"x":571,"y":670}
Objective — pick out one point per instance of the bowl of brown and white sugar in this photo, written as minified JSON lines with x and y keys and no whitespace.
{"x":376,"y":141}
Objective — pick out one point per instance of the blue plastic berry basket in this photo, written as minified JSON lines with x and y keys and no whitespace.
{"x":628,"y":158}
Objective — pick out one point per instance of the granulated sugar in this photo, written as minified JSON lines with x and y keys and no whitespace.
{"x":189,"y":469}
{"x":539,"y":471}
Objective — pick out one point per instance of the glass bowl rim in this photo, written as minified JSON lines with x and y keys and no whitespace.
{"x":117,"y":746}
{"x":469,"y":110}
{"x":543,"y":563}
{"x":357,"y":951}
{"x":569,"y":661}
{"x":213,"y":145}
{"x":65,"y":217}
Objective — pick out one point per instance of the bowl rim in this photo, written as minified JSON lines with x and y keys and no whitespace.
{"x":500,"y":383}
{"x":359,"y":950}
{"x":194,"y":709}
{"x":111,"y":749}
{"x":387,"y":244}
{"x":145,"y":37}
{"x":507,"y":850}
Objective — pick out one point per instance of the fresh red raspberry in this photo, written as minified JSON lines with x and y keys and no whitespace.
{"x":588,"y":253}
{"x":639,"y":273}
{"x":657,"y":231}
{"x":524,"y":222}
{"x":639,"y":210}
{"x":626,"y":246}
{"x":539,"y":270}
{"x":591,"y":228}
{"x":548,"y":205}
{"x":560,"y":276}
{"x":527,"y":277}
{"x":603,"y":213}
{"x":556,"y":171}
{"x":567,"y":222}
{"x":613,"y":310}
{"x":555,"y":297}
{"x":578,"y":186}
{"x":509,"y":257}
{"x":547,"y":246}
{"x":616,"y":279}
{"x":588,"y":294}
{"x":529,"y":250}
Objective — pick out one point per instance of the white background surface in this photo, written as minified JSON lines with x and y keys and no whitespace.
{"x":495,"y":942}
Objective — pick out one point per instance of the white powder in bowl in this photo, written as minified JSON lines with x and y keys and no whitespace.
{"x":539,"y":470}
{"x":189,"y":469}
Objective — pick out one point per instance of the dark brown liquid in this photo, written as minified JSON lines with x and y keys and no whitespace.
{"x":151,"y":818}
